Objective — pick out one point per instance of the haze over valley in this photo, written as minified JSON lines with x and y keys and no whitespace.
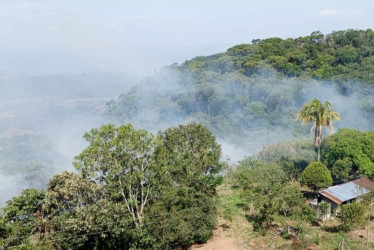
{"x":186,"y":124}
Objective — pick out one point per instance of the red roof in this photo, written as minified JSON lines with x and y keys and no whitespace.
{"x":365,"y":182}
{"x":333,"y":198}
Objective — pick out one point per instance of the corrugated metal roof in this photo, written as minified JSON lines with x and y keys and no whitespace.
{"x":344,"y":192}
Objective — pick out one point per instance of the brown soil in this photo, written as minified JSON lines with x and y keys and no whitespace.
{"x":221,"y":240}
{"x":361,"y":235}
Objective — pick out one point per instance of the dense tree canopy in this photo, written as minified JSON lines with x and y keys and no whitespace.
{"x":350,"y":152}
{"x":254,"y":90}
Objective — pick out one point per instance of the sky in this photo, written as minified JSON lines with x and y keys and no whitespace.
{"x":138,"y":37}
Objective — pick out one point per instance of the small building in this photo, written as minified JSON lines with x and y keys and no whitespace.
{"x":342,"y":194}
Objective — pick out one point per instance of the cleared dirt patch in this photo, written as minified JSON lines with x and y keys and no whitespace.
{"x":221,"y":240}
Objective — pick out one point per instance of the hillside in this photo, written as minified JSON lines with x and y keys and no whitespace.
{"x":254,"y":90}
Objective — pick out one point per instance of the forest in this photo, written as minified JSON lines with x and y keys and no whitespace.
{"x":247,"y":93}
{"x":240,"y":140}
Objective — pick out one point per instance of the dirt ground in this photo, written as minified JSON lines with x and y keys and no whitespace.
{"x":362,"y":235}
{"x":221,"y":240}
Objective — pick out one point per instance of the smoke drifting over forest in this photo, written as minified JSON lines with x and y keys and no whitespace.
{"x":272,"y":105}
{"x":43,"y":118}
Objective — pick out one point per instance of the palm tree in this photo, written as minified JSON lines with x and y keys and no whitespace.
{"x":321,"y":115}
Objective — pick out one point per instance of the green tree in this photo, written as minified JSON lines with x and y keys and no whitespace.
{"x":321,"y":115}
{"x":350,"y":152}
{"x":261,"y":183}
{"x":316,"y":176}
{"x":351,"y":215}
{"x":190,"y":157}
{"x":77,"y":208}
{"x":22,"y":217}
{"x":121,"y":159}
{"x":189,"y":217}
{"x":290,"y":201}
{"x":68,"y":191}
{"x":167,"y":185}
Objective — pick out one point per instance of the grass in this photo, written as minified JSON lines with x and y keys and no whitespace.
{"x":233,"y":210}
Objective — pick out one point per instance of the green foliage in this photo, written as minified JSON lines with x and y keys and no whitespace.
{"x":307,"y":213}
{"x":292,"y":156}
{"x":324,"y":208}
{"x":341,"y":169}
{"x":351,"y":215}
{"x":121,"y":159}
{"x":67,"y":192}
{"x":251,"y":87}
{"x":189,"y":156}
{"x":257,"y":176}
{"x":316,"y":54}
{"x":265,"y":187}
{"x":290,"y":200}
{"x":261,"y":184}
{"x":104,"y":224}
{"x":21,"y":217}
{"x":316,"y":176}
{"x":133,"y":190}
{"x":351,"y":152}
{"x":189,"y":218}
{"x":320,"y":115}
{"x":292,"y":169}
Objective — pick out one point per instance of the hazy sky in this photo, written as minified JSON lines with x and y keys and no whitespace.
{"x":139,"y":36}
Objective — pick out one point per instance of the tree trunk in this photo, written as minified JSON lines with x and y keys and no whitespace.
{"x":319,"y":153}
{"x":318,"y":140}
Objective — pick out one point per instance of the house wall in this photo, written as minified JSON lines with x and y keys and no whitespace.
{"x":320,"y":216}
{"x":333,"y":205}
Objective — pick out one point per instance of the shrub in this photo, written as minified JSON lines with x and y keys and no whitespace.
{"x":351,"y":215}
{"x":316,"y":176}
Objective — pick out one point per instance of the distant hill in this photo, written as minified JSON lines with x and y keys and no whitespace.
{"x":340,"y":56}
{"x":249,"y":95}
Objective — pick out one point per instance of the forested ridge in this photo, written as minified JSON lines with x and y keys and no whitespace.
{"x":254,"y":90}
{"x":157,"y":178}
{"x":338,"y":56}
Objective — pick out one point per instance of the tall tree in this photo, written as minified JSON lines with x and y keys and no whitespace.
{"x":321,"y":115}
{"x":121,"y":159}
{"x":190,"y":155}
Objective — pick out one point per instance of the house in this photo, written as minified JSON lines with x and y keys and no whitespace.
{"x":342,"y":194}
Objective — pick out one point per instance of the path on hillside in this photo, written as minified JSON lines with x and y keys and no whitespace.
{"x":221,"y":240}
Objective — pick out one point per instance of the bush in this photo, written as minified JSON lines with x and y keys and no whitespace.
{"x":316,"y":176}
{"x":351,"y":215}
{"x":307,"y":214}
